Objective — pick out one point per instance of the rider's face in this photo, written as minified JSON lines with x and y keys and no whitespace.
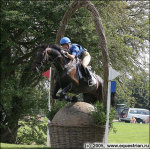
{"x":65,"y":46}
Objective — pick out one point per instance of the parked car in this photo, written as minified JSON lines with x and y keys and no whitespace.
{"x":139,"y":114}
{"x":119,"y":109}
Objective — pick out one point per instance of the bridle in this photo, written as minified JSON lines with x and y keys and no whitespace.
{"x":46,"y":57}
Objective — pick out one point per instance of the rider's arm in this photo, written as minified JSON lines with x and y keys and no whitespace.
{"x":70,"y":56}
{"x":74,"y":51}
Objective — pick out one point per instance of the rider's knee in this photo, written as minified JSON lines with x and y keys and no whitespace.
{"x":86,"y":59}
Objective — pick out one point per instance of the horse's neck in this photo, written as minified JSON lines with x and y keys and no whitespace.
{"x":70,"y":64}
{"x":64,"y":68}
{"x":65,"y":64}
{"x":59,"y":67}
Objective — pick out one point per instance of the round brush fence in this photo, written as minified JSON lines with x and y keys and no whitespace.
{"x":72,"y":126}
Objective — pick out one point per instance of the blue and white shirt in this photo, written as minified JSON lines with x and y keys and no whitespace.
{"x":76,"y":50}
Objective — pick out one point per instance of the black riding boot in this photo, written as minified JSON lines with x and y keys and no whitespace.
{"x":90,"y":80}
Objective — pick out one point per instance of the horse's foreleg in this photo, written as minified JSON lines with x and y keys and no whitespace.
{"x":56,"y":88}
{"x":66,"y":89}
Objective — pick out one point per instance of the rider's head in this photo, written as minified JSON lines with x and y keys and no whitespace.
{"x":65,"y":42}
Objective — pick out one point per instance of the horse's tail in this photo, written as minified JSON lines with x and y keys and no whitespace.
{"x":100,"y":89}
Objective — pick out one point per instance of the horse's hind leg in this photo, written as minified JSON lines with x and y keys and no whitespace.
{"x":113,"y":99}
{"x":89,"y":98}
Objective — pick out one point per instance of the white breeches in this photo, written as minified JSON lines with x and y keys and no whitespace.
{"x":86,"y":58}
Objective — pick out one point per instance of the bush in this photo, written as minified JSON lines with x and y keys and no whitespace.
{"x":100,"y":114}
{"x":32,"y":131}
{"x":58,"y":105}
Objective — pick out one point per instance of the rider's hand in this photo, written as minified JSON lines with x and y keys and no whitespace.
{"x":66,"y":53}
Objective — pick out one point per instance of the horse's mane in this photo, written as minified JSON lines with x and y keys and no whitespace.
{"x":59,"y":50}
{"x":44,"y":46}
{"x":56,"y":47}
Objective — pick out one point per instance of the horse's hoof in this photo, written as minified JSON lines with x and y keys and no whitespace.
{"x":62,"y":94}
{"x":74,"y":99}
{"x":66,"y":98}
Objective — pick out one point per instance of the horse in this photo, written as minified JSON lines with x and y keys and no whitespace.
{"x":68,"y":75}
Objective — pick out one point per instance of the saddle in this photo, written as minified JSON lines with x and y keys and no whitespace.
{"x":83,"y":73}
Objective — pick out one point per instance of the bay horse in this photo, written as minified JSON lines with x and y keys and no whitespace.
{"x":67,"y":75}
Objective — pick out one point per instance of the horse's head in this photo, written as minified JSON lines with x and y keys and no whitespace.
{"x":40,"y":58}
{"x":47,"y":53}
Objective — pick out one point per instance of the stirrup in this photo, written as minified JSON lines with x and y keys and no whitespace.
{"x":90,"y":82}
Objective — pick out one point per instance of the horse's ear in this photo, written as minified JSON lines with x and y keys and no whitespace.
{"x":48,"y":46}
{"x":48,"y":49}
{"x":42,"y":46}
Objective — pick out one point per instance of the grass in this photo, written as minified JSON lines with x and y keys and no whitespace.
{"x":17,"y":146}
{"x":129,"y":133}
{"x":126,"y":133}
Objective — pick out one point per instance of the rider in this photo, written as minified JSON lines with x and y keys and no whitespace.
{"x":75,"y":50}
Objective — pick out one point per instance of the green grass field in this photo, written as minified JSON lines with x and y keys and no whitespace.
{"x":129,"y":133}
{"x":17,"y":146}
{"x":126,"y":133}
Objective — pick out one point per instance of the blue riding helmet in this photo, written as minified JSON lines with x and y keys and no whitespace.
{"x":65,"y":40}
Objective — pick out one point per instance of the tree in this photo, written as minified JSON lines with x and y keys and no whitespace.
{"x":136,"y":43}
{"x":127,"y":32}
{"x":27,"y":24}
{"x":24,"y":26}
{"x":140,"y":90}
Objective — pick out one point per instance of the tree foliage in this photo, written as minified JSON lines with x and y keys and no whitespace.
{"x":127,"y":31}
{"x":27,"y":24}
{"x":32,"y":131}
{"x":24,"y":26}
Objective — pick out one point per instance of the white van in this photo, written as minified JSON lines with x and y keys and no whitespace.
{"x":139,"y":114}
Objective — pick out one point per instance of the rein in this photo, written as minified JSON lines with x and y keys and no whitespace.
{"x":55,"y":59}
